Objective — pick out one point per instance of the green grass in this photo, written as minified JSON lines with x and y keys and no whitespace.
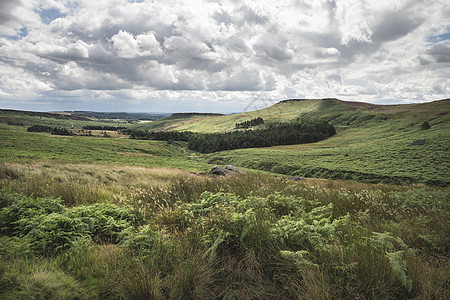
{"x":18,"y":145}
{"x":373,"y":143}
{"x":276,"y":113}
{"x":114,"y":218}
{"x":31,"y":118}
{"x":380,"y":152}
{"x":340,"y":113}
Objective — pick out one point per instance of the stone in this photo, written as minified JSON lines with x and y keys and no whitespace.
{"x":219,"y":171}
{"x":418,"y":142}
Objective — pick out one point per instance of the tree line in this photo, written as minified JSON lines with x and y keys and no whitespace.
{"x":297,"y":132}
{"x":110,"y":128}
{"x":250,"y":123}
{"x":53,"y":130}
{"x":159,"y":135}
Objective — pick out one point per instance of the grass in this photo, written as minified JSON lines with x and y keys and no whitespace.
{"x":373,"y":143}
{"x":30,"y":118}
{"x":271,"y":238}
{"x":373,"y":150}
{"x":276,"y":113}
{"x":112,"y":218}
{"x":18,"y":145}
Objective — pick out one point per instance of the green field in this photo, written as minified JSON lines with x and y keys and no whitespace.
{"x":92,"y":217}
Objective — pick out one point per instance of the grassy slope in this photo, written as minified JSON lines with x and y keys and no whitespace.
{"x":340,"y":239}
{"x":18,"y":145}
{"x":48,"y":119}
{"x":373,"y":142}
{"x":367,"y":149}
{"x":287,"y":112}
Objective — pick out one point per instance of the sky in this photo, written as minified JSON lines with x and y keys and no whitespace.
{"x":220,"y":56}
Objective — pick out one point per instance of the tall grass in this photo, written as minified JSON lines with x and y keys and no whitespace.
{"x":159,"y":235}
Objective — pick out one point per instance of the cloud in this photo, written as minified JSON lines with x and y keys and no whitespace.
{"x":120,"y":49}
{"x":441,"y":53}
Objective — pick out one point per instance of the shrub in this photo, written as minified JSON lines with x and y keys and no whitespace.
{"x":425,"y":125}
{"x":51,"y":228}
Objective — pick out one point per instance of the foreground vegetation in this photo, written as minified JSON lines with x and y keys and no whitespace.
{"x":72,"y":231}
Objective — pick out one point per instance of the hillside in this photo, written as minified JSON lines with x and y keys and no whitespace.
{"x":117,"y":115}
{"x":373,"y":142}
{"x":341,"y":113}
{"x":210,"y":124}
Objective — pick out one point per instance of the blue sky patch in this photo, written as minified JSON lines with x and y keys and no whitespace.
{"x":440,"y":38}
{"x":48,"y":15}
{"x":22,"y":33}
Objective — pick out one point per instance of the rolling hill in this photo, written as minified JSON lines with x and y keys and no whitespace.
{"x":373,"y":142}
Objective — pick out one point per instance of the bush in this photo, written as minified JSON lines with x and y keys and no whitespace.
{"x":425,"y":125}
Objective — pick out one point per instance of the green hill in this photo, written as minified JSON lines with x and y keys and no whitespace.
{"x":281,"y":112}
{"x":373,"y":142}
{"x":341,"y":113}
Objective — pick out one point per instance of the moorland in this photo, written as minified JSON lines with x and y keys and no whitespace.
{"x":119,"y":206}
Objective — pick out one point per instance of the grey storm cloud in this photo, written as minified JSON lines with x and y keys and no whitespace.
{"x":395,"y":25}
{"x":6,"y":6}
{"x":159,"y":49}
{"x":441,"y":53}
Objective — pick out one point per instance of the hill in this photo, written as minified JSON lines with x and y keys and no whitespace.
{"x":8,"y":114}
{"x":343,"y":113}
{"x":118,"y":115}
{"x":373,"y":142}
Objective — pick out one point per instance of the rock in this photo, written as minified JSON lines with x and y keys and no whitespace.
{"x":216,"y":170}
{"x":418,"y":142}
{"x":295,"y":178}
{"x":232,"y":169}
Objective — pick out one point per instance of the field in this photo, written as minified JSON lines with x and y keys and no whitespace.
{"x":92,"y":217}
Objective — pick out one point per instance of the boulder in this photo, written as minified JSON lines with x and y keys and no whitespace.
{"x":418,"y":142}
{"x":219,"y":171}
{"x":232,"y":169}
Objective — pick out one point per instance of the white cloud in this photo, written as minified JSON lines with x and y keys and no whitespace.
{"x":120,"y":50}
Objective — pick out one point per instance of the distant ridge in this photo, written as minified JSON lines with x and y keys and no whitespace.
{"x":189,"y":115}
{"x":118,"y":115}
{"x":300,"y":100}
{"x":60,"y":116}
{"x":354,"y":104}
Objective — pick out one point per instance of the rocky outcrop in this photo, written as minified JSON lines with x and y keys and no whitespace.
{"x":219,"y":171}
